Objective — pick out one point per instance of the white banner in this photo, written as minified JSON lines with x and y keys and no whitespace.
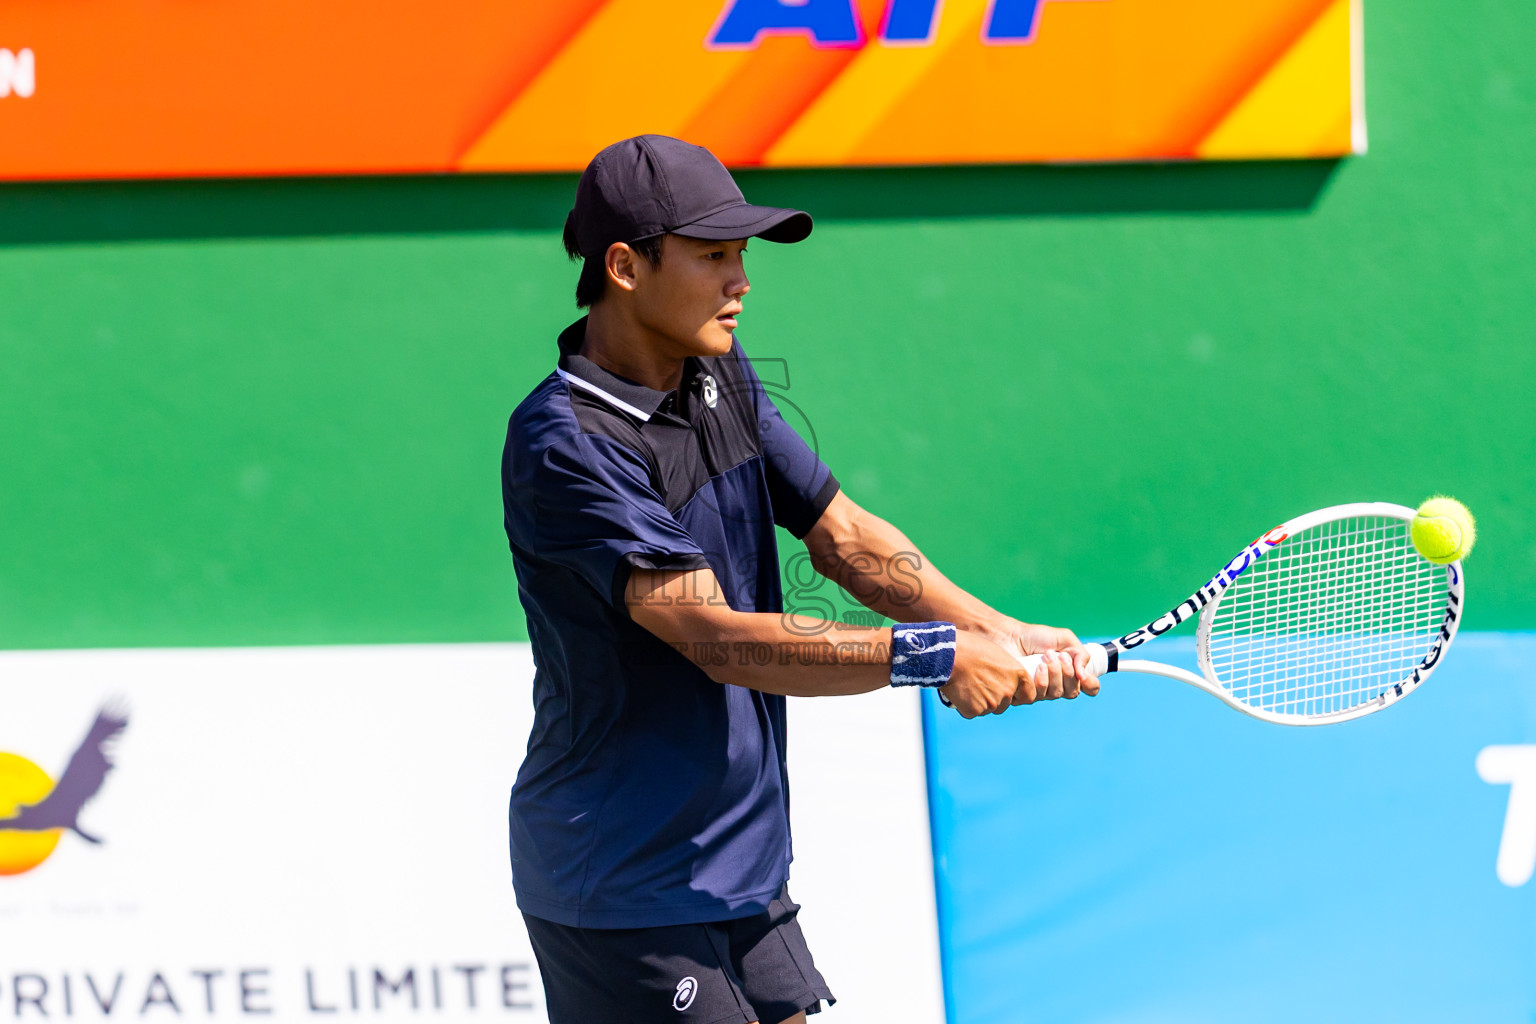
{"x":297,"y":833}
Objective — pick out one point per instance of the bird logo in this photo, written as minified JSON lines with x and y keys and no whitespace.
{"x":35,"y":812}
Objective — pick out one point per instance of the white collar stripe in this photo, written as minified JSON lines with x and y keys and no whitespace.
{"x":585,"y":385}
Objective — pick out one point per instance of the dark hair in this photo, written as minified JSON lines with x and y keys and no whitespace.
{"x":594,"y":272}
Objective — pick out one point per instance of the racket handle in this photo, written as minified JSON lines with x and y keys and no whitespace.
{"x":1098,"y":660}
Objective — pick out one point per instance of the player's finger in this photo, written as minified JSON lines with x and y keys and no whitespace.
{"x":1000,"y":702}
{"x":1048,"y":677}
{"x":1026,"y":691}
{"x":1088,"y":682}
{"x":1071,"y":669}
{"x":1023,"y":689}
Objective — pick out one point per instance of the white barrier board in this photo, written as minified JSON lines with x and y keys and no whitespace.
{"x":297,"y":833}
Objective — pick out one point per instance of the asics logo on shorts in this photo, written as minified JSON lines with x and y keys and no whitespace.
{"x":686,"y":990}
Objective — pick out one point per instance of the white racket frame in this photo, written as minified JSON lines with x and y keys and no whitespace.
{"x":1107,"y":658}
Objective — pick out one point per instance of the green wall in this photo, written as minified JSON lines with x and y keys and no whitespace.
{"x":271,"y":411}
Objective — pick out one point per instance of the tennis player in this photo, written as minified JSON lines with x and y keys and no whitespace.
{"x":642,"y":481}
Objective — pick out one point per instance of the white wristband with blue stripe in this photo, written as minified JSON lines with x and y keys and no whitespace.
{"x":922,"y":653}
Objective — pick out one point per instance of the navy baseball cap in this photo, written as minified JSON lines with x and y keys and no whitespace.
{"x":654,"y":184}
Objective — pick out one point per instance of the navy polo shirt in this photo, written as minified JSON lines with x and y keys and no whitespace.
{"x":651,"y":794}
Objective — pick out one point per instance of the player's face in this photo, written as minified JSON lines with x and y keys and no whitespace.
{"x":692,"y":299}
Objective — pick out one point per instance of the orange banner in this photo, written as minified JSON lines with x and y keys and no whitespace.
{"x":131,"y":88}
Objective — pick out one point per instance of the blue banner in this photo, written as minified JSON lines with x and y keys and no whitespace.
{"x":1153,"y":856}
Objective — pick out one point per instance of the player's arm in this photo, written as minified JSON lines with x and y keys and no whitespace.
{"x":800,"y":657}
{"x":882,"y":568}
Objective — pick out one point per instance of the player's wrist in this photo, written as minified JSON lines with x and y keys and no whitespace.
{"x":922,"y":653}
{"x":995,"y":626}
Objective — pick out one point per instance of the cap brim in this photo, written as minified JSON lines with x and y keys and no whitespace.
{"x":748,"y":221}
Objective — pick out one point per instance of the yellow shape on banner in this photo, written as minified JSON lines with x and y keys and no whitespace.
{"x":862,"y":96}
{"x":1301,"y":107}
{"x":23,"y":783}
{"x":627,"y":58}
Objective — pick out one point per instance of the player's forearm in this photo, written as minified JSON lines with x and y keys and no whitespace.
{"x":768,"y":651}
{"x":798,"y":657}
{"x":881,"y":567}
{"x":792,"y":657}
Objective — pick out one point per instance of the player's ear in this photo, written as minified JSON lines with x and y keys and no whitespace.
{"x":620,"y":261}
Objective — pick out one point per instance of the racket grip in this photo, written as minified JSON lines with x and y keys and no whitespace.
{"x":1098,"y":660}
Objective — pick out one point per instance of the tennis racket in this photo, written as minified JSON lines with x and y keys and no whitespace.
{"x":1330,"y":616}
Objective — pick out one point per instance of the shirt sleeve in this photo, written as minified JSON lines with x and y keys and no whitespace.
{"x":596,"y":513}
{"x":800,"y":485}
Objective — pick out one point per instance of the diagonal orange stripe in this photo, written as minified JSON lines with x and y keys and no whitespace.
{"x":1238,"y":87}
{"x":1146,"y":82}
{"x":784,"y":77}
{"x":543,"y":31}
{"x":594,"y":93}
{"x":869,"y":88}
{"x":1295,"y":108}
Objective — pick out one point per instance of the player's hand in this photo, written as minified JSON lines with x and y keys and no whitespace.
{"x":1064,"y":673}
{"x":985,"y":677}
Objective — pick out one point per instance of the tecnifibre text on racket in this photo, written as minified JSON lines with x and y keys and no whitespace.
{"x":1330,"y":616}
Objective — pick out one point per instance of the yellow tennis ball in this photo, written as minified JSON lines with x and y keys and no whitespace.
{"x":1443,"y":530}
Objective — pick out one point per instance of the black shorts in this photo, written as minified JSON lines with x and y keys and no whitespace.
{"x":725,"y":972}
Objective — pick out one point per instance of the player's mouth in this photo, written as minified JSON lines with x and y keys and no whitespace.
{"x":728,"y":319}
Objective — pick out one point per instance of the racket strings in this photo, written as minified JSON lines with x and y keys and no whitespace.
{"x":1328,"y":620}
